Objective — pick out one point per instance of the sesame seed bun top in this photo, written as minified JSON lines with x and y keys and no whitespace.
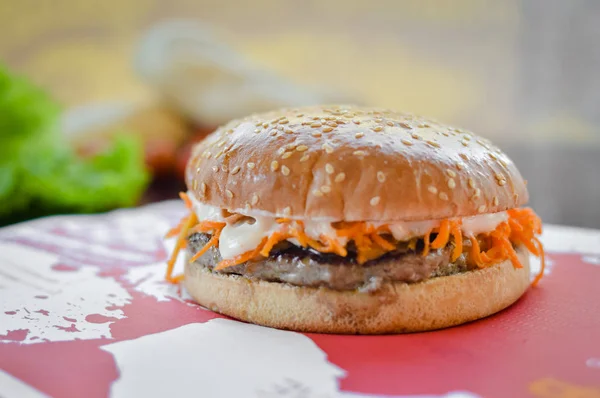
{"x":348,"y":163}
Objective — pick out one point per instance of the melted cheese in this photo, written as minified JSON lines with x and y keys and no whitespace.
{"x":239,"y":238}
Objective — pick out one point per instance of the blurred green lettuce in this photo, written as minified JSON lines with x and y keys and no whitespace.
{"x":40,"y":173}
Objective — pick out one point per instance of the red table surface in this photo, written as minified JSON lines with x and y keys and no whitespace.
{"x":546,"y":345}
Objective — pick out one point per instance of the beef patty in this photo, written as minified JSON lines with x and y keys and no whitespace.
{"x":306,"y":267}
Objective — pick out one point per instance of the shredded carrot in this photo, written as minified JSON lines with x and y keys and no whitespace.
{"x":274,"y":239}
{"x":176,"y":229}
{"x":242,"y":258}
{"x":457,"y":235}
{"x":186,"y":199}
{"x":443,"y":235}
{"x":207,"y":226}
{"x":191,"y":220}
{"x":475,"y":254}
{"x":381,"y":241}
{"x":333,"y":246}
{"x":213,"y":241}
{"x":539,"y":276}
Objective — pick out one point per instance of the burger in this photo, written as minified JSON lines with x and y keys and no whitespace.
{"x":354,"y":220}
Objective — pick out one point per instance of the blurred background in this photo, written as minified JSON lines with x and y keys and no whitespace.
{"x":523,"y":73}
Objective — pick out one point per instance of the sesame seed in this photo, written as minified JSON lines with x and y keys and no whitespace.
{"x":287,"y":211}
{"x":250,"y":165}
{"x":315,"y":125}
{"x":359,"y":135}
{"x":499,"y":176}
{"x":274,"y":165}
{"x":464,"y":156}
{"x":215,"y":169}
{"x":317,"y":192}
{"x":331,"y":123}
{"x":315,"y":118}
{"x":406,"y":142}
{"x":327,"y":129}
{"x":247,"y":207}
{"x":378,"y":120}
{"x":220,"y":144}
{"x":284,"y":121}
{"x":229,"y":193}
{"x":286,"y":155}
{"x":416,"y":136}
{"x":443,"y":196}
{"x":265,"y":125}
{"x":224,"y":168}
{"x":451,"y":173}
{"x":492,"y":156}
{"x":460,"y":165}
{"x":377,"y":128}
{"x":340,"y":177}
{"x":380,"y":176}
{"x":495,"y":201}
{"x":300,"y":115}
{"x":301,"y":148}
{"x":328,"y":148}
{"x":432,"y":189}
{"x":477,"y":193}
{"x":355,"y":121}
{"x":451,"y":183}
{"x":375,"y":200}
{"x":288,"y":131}
{"x":516,"y":197}
{"x":304,"y":158}
{"x":359,"y":153}
{"x":235,"y":170}
{"x":273,"y":133}
{"x":481,"y":208}
{"x":471,"y":182}
{"x":465,"y":143}
{"x":405,"y":125}
{"x":325,"y":189}
{"x":466,"y":137}
{"x":285,"y":170}
{"x":317,"y":134}
{"x":389,"y":123}
{"x":433,"y":143}
{"x":254,"y":199}
{"x":329,"y":168}
{"x":501,"y":182}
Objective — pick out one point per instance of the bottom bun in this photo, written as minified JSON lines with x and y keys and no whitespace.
{"x":396,"y":308}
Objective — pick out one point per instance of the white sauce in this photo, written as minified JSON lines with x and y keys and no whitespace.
{"x":242,"y":237}
{"x":483,"y":223}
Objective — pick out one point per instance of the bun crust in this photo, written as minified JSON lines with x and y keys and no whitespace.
{"x":346,"y":163}
{"x":399,"y":307}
